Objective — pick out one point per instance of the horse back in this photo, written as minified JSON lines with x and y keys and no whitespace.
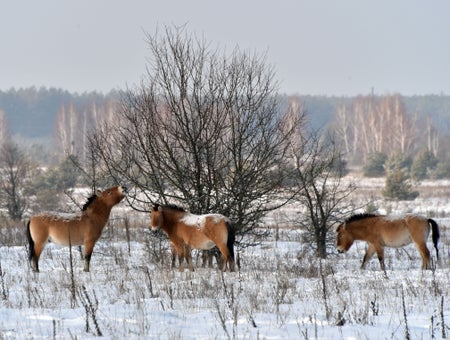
{"x":202,"y":231}
{"x":418,"y":227}
{"x":61,"y":229}
{"x":380,"y":230}
{"x":217,"y":226}
{"x":401,"y":231}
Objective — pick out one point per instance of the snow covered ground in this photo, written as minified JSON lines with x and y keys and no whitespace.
{"x":281,"y":292}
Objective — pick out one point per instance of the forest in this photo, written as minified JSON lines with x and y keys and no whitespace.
{"x":36,"y":114}
{"x":373,"y":132}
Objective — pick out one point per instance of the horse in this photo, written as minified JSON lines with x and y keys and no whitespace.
{"x":181,"y":256}
{"x":206,"y":256}
{"x":73,"y":229}
{"x":186,"y":231}
{"x":381,"y":231}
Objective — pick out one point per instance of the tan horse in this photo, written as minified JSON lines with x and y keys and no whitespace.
{"x":73,"y":229}
{"x":388,"y":231}
{"x":186,"y":231}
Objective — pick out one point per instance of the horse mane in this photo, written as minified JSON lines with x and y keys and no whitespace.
{"x":358,"y":217}
{"x":170,"y":206}
{"x":89,"y":201}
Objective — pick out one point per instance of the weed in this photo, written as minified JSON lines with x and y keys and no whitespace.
{"x":4,"y":291}
{"x":91,"y":309}
{"x":405,"y":316}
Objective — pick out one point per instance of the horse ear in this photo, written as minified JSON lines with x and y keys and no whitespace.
{"x":340,"y":227}
{"x":156,"y":207}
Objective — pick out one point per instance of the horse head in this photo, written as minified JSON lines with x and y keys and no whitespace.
{"x":112,"y":196}
{"x":344,"y":238}
{"x":156,"y":217}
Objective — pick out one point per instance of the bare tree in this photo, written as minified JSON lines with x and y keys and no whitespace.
{"x":203,"y":129}
{"x":4,"y":129}
{"x":320,"y":191}
{"x":15,"y":170}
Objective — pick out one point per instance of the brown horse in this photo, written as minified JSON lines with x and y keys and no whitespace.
{"x":73,"y":229}
{"x":186,"y":231}
{"x":387,"y":231}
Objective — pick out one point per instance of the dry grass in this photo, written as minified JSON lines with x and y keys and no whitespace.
{"x":282,"y":290}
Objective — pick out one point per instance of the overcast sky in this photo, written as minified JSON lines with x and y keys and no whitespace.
{"x":329,"y":47}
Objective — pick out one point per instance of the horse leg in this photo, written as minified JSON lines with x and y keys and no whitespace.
{"x":380,"y":253}
{"x":371,"y":249}
{"x":218,"y":258}
{"x":188,"y":256}
{"x":181,"y":254}
{"x":88,"y":249}
{"x":206,"y":259}
{"x":207,"y":256}
{"x":175,"y":255}
{"x":425,"y":253}
{"x":35,"y":249}
{"x":368,"y":255}
{"x":35,"y":255}
{"x":226,"y":258}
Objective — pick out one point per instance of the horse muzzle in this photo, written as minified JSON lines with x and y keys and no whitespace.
{"x":341,"y":251}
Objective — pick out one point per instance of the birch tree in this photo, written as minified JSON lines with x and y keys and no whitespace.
{"x":378,"y":126}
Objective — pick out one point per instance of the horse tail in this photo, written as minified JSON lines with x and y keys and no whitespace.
{"x":231,"y":238}
{"x":30,"y":242}
{"x":434,"y":235}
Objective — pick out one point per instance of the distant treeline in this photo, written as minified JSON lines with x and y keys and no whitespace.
{"x":32,"y":112}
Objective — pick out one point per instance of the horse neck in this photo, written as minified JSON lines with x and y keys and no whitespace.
{"x":358,"y":229}
{"x":171,"y":219}
{"x":99,"y":211}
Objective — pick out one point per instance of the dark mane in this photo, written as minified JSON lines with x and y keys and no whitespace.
{"x":170,"y":206}
{"x":89,"y":202}
{"x":358,"y":217}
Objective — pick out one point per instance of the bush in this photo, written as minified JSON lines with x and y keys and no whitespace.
{"x":398,"y":186}
{"x":398,"y":161}
{"x":423,"y":164}
{"x":339,"y":167}
{"x":375,"y":165}
{"x":442,"y":170}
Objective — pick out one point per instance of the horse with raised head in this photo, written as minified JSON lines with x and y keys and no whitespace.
{"x":83,"y":228}
{"x":186,"y":231}
{"x":388,"y":231}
